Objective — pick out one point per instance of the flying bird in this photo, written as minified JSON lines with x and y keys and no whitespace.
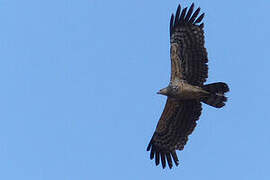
{"x":186,"y":90}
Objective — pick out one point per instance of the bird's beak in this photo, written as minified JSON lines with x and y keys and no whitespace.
{"x":162,"y":91}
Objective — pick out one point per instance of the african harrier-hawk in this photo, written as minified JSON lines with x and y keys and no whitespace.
{"x":186,"y":89}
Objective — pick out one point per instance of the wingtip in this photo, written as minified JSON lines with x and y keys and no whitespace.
{"x":178,"y":7}
{"x":163,"y":161}
{"x":148,"y":147}
{"x":192,"y":5}
{"x":195,"y":14}
{"x":175,"y":158}
{"x":172,"y":23}
{"x":184,"y":11}
{"x":203,"y":14}
{"x":152,"y":153}
{"x":176,"y":21}
{"x":200,"y":18}
{"x":157,"y":158}
{"x":189,"y":13}
{"x":201,"y":25}
{"x":182,"y":16}
{"x":172,"y":17}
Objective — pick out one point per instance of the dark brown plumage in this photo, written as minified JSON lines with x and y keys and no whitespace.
{"x":186,"y":89}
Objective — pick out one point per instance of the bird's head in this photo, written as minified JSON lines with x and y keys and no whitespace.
{"x":170,"y":91}
{"x":164,"y":91}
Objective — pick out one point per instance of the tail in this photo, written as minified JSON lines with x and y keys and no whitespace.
{"x":216,"y":97}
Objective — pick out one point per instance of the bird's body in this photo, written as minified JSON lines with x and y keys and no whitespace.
{"x":181,"y":90}
{"x":186,"y":90}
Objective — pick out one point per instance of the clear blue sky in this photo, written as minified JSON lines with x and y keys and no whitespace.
{"x":78,"y":90}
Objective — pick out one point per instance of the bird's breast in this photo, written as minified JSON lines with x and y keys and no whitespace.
{"x":187,"y":91}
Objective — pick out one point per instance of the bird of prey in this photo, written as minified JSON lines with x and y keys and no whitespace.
{"x":186,"y":90}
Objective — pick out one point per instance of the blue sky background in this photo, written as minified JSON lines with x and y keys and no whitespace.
{"x":78,"y":90}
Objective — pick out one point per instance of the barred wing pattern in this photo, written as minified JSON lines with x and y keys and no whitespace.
{"x":188,"y":62}
{"x":177,"y":121}
{"x":188,"y":54}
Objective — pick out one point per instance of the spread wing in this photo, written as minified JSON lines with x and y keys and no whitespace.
{"x":175,"y":124}
{"x":188,"y":54}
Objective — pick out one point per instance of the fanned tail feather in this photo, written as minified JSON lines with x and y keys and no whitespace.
{"x":216,"y":97}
